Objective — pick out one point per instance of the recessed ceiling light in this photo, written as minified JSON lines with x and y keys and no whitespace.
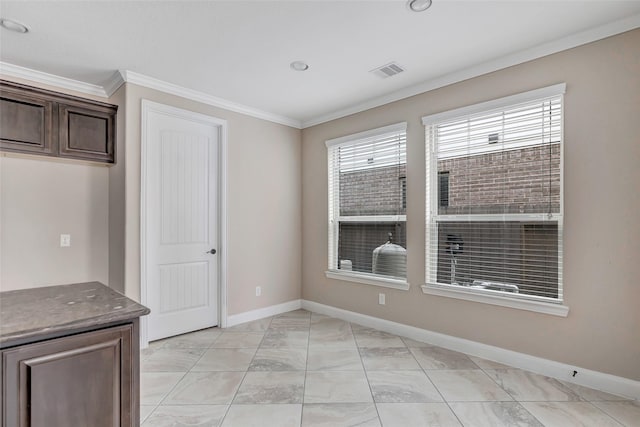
{"x":299,"y":66}
{"x":13,"y":26}
{"x":419,"y":5}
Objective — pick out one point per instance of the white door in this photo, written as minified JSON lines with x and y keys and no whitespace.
{"x":180,"y":221}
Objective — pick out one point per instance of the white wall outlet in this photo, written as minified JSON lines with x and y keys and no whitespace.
{"x":382,"y":299}
{"x":65,"y":240}
{"x":258,"y":291}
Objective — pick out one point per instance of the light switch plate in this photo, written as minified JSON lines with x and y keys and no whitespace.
{"x":65,"y":240}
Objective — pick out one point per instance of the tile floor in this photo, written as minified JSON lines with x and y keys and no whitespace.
{"x":304,"y":369}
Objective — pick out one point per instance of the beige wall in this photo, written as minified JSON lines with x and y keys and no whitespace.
{"x":263,"y":203}
{"x":42,"y":198}
{"x":602,"y":205}
{"x":117,"y":199}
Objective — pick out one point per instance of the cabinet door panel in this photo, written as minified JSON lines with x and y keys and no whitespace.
{"x":79,"y":380}
{"x":25,"y":124}
{"x":86,"y":133}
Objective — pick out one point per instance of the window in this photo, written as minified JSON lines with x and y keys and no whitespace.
{"x":367,"y":206}
{"x":494,"y":198}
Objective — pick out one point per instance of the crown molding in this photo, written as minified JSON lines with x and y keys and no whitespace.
{"x":51,"y":80}
{"x":113,"y":84}
{"x":125,"y":76}
{"x":194,"y":95}
{"x":568,"y":42}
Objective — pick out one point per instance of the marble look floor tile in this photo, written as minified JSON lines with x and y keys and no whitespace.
{"x":263,"y":415}
{"x":417,"y":414}
{"x":198,"y":339}
{"x":186,"y":415}
{"x":319,"y":323}
{"x":260,"y":325}
{"x":374,"y":338}
{"x":574,"y":414}
{"x":198,"y":388}
{"x":145,"y":411}
{"x":627,"y":413}
{"x":225,"y":359}
{"x":151,"y":348}
{"x":413,"y":343}
{"x":591,"y":394}
{"x":441,"y":358}
{"x":402,"y":386}
{"x":488,"y":364}
{"x":494,"y":414}
{"x":467,"y":386}
{"x":337,"y":387}
{"x":154,"y":386}
{"x":279,"y":359}
{"x":290,"y":324}
{"x":332,"y":341}
{"x":295,"y":314}
{"x":357,"y":327}
{"x":388,"y":358}
{"x":329,"y":331}
{"x":334,"y":359}
{"x":285,"y":338}
{"x":171,"y":360}
{"x":527,"y":386}
{"x":238,"y":340}
{"x":317,"y":317}
{"x":271,"y":387}
{"x":340,"y":415}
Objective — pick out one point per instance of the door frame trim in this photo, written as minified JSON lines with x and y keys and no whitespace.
{"x":222,"y":246}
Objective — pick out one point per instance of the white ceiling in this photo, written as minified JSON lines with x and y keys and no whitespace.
{"x":240,"y":51}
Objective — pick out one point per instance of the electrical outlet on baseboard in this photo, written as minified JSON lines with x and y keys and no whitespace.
{"x":258,"y":291}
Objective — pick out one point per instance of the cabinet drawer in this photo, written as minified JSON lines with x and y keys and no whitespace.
{"x":80,"y":380}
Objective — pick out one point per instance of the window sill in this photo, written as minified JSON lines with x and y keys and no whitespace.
{"x":368,"y":279}
{"x":488,"y":297}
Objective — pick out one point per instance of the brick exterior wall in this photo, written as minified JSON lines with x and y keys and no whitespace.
{"x":514,"y":181}
{"x":375,"y":191}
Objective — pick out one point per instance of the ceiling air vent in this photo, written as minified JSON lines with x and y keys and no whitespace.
{"x":391,"y":69}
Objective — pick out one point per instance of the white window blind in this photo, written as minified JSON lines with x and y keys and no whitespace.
{"x":494,"y":197}
{"x":367,"y":202}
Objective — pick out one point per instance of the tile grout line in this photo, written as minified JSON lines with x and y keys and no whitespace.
{"x":181,"y":378}
{"x":306,"y":369}
{"x":424,"y":371}
{"x":364,"y":369}
{"x":244,"y":376}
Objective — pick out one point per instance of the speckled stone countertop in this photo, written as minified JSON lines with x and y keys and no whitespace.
{"x":27,"y":314}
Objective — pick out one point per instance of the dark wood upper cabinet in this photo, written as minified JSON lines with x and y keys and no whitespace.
{"x":26,"y":123}
{"x":37,"y":121}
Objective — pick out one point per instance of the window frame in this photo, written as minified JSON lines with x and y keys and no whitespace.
{"x":334,"y":217}
{"x":518,"y":301}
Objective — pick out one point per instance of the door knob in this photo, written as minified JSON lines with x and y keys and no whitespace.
{"x":212,"y":252}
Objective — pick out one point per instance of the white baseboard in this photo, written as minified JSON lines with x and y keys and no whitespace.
{"x":585,"y":377}
{"x":261,"y":313}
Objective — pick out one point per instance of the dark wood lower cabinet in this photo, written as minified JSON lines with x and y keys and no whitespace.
{"x":84,"y":380}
